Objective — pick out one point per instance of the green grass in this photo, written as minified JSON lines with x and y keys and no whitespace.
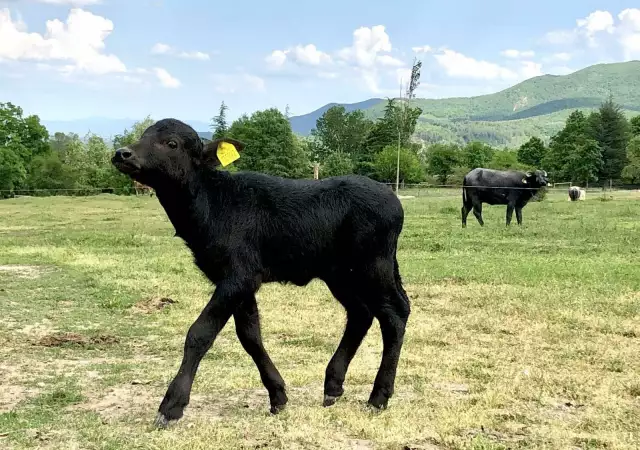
{"x":519,"y":338}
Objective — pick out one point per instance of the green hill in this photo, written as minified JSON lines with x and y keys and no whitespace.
{"x":537,"y":106}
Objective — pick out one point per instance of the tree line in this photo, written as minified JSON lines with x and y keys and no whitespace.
{"x":597,"y":147}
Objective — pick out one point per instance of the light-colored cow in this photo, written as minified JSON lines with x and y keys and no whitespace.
{"x":576,"y":193}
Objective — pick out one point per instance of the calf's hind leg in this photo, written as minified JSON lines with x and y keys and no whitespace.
{"x":391,"y":308}
{"x":247,"y":321}
{"x":359,"y":320}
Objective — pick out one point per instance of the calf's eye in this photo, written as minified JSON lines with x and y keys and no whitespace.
{"x":173,"y":144}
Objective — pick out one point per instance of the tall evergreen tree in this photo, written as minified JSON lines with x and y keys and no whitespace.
{"x":219,"y":122}
{"x":610,"y":129}
{"x":635,"y":125}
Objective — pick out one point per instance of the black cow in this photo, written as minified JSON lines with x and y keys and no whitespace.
{"x":496,"y":187}
{"x":245,"y":229}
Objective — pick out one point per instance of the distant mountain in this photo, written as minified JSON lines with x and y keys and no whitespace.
{"x":537,"y":106}
{"x":107,"y":127}
{"x":307,"y":122}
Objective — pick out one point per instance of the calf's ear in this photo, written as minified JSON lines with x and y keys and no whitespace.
{"x":222,"y":151}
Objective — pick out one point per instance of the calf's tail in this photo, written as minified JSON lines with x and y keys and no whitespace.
{"x":398,"y":279}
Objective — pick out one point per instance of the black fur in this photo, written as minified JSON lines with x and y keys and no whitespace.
{"x":496,"y":187}
{"x":245,"y":229}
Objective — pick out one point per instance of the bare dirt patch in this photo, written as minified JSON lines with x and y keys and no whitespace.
{"x":11,"y":395}
{"x":122,"y":400}
{"x":22,"y":271}
{"x":149,"y":305}
{"x":62,"y":339}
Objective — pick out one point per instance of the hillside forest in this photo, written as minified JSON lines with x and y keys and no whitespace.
{"x":590,"y":149}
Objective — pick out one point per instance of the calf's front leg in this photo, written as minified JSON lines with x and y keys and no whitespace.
{"x":199,"y":339}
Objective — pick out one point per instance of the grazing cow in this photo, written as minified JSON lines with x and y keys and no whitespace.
{"x":245,"y":229}
{"x":575,"y":193}
{"x":496,"y":187}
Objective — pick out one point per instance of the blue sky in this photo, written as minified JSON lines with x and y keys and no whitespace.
{"x":70,"y":59}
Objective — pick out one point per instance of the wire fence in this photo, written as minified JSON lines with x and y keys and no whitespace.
{"x":405,"y":189}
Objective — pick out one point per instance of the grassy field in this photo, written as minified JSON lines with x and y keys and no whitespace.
{"x":519,"y":338}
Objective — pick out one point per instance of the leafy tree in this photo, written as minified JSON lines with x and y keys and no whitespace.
{"x":271,"y":146}
{"x":442,"y":160}
{"x":411,"y":168}
{"x":610,"y":128}
{"x":631,"y":172}
{"x":219,"y":123}
{"x":584,"y":162}
{"x":477,"y":154}
{"x":12,"y":170}
{"x":563,"y":144}
{"x":21,"y":140}
{"x":98,"y":168}
{"x":399,"y":121}
{"x":49,"y":172}
{"x":129,"y":137}
{"x":635,"y":125}
{"x":532,"y":153}
{"x":337,"y":163}
{"x":505,"y":160}
{"x":340,"y":131}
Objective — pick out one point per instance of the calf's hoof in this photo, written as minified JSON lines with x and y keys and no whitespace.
{"x":379,"y":399}
{"x":275,"y":409}
{"x":161,"y":422}
{"x":329,"y":400}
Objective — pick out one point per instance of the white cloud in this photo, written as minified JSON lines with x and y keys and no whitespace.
{"x":160,"y":49}
{"x":629,"y":33}
{"x":305,"y":55}
{"x":309,"y":55}
{"x":328,"y":75}
{"x":562,"y":56}
{"x":530,"y":69}
{"x":166,"y":79}
{"x":422,"y":49}
{"x":164,"y":49}
{"x":367,"y":56}
{"x":403,"y":76}
{"x":75,"y":47}
{"x":277,"y":58}
{"x":232,"y":83}
{"x":561,"y":37}
{"x":367,"y":44}
{"x":596,"y":21}
{"x":511,"y":53}
{"x":71,"y":2}
{"x":389,"y":61}
{"x":79,"y":42}
{"x":458,"y":65}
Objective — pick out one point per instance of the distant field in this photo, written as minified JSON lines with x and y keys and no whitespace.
{"x":519,"y":338}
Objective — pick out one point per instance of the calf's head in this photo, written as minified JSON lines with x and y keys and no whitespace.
{"x":168,"y":151}
{"x":539,"y":178}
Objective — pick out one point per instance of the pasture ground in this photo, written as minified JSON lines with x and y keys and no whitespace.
{"x":519,"y":338}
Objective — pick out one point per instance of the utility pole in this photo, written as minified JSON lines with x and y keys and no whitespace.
{"x":414,"y":82}
{"x":400,"y":120}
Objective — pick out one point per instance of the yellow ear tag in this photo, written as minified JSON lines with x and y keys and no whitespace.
{"x":227,"y":153}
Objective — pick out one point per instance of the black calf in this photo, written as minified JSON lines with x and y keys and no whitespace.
{"x":245,"y":229}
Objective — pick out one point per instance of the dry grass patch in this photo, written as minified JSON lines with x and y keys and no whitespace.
{"x":68,"y":338}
